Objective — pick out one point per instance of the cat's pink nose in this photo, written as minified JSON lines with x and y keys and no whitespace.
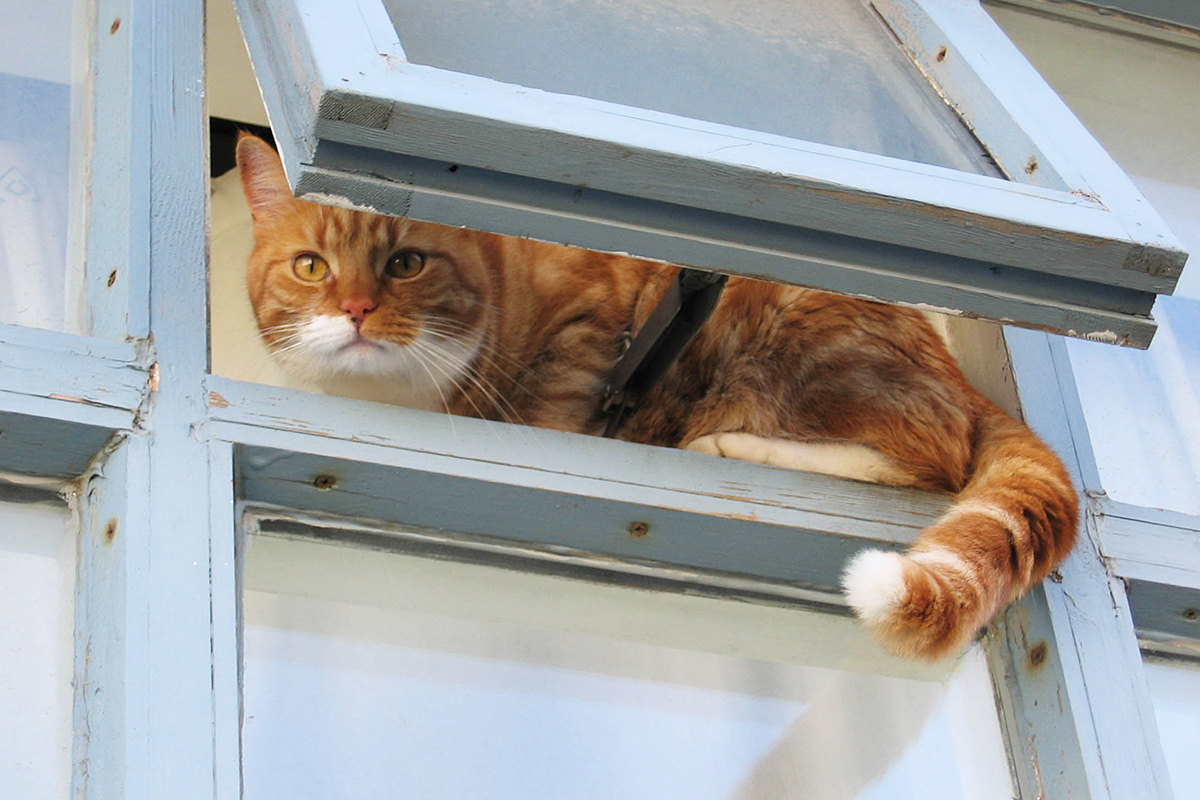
{"x":358,"y":307}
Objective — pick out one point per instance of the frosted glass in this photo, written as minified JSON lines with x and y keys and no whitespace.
{"x":37,"y":570}
{"x":825,"y":71}
{"x":36,"y":130}
{"x":373,"y":675}
{"x":1175,"y":690}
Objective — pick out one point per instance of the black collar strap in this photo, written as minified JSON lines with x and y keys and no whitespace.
{"x":685,"y":306}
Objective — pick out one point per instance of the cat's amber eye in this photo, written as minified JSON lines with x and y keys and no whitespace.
{"x":405,"y":264}
{"x":310,"y":267}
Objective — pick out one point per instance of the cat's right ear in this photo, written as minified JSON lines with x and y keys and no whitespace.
{"x":263,"y":180}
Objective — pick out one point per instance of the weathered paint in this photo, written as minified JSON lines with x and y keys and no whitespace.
{"x":1090,"y":687}
{"x":157,"y":590}
{"x":621,"y":161}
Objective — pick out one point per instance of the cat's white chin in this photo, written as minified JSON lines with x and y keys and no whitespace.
{"x":330,"y":348}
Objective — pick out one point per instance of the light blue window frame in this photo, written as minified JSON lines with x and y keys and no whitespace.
{"x":1066,"y":243}
{"x":166,"y":455}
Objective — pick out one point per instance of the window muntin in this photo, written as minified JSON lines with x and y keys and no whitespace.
{"x":474,"y":681}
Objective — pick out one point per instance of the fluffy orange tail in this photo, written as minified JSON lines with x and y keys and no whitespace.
{"x":1013,"y":521}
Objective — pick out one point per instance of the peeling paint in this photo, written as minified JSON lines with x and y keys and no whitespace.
{"x":217,"y":401}
{"x":338,"y":200}
{"x":1107,"y":337}
{"x":69,"y":398}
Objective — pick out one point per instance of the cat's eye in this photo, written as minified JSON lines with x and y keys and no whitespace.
{"x":310,"y":267}
{"x":405,"y":264}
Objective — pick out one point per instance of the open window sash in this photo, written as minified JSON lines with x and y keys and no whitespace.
{"x":1061,"y":242}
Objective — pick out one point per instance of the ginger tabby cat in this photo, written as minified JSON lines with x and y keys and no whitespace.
{"x":522,"y":331}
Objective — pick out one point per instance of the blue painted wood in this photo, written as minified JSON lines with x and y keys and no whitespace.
{"x":225,"y":558}
{"x":1151,"y":544}
{"x":47,"y":364}
{"x":62,"y":398}
{"x":177,"y":614}
{"x":112,"y":709}
{"x":493,"y":452}
{"x":119,"y":200}
{"x":146,"y":710}
{"x":681,"y":533}
{"x":51,"y":445}
{"x":671,"y":232}
{"x":362,"y":98}
{"x":513,"y":484}
{"x":1074,"y":695}
{"x":1038,"y":120}
{"x":1157,"y":555}
{"x":1167,"y":616}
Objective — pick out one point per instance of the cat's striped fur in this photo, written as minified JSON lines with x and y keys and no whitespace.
{"x":516,"y":330}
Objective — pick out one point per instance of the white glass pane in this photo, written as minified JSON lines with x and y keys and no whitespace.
{"x":823,"y":70}
{"x":375,"y":675}
{"x":36,"y":130}
{"x":37,"y":570}
{"x":1175,"y":689}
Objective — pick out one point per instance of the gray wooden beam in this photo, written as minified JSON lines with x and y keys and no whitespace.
{"x":1073,"y":694}
{"x":357,"y":124}
{"x":145,"y":704}
{"x":402,"y":466}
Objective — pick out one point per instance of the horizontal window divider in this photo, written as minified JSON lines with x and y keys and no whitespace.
{"x":736,"y":245}
{"x":57,"y":441}
{"x":47,"y":365}
{"x":800,"y":184}
{"x":265,"y":520}
{"x":63,"y":398}
{"x":1151,"y":544}
{"x":409,"y":467}
{"x":1166,"y":615}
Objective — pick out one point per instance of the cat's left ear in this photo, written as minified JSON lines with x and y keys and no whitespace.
{"x":263,"y":180}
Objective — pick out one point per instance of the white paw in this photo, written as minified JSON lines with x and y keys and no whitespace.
{"x":741,"y":446}
{"x":705,"y":444}
{"x":874,"y":585}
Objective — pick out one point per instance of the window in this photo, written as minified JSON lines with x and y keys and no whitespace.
{"x":1064,"y":242}
{"x":168,"y":459}
{"x":472,"y":681}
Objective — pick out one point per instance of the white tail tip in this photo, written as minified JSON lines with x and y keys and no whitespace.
{"x":874,"y":585}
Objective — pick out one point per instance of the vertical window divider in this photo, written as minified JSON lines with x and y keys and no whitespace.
{"x":1072,"y":692}
{"x":226,"y":555}
{"x":146,"y":699}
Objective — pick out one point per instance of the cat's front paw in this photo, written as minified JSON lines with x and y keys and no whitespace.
{"x":709,"y":445}
{"x":734,"y":444}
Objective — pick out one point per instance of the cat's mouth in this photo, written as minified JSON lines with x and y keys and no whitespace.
{"x":361,"y":343}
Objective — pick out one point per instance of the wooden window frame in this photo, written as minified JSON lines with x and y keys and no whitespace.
{"x":1066,"y":243}
{"x":164,"y":455}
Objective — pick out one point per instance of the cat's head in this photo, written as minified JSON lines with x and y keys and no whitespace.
{"x":341,"y":293}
